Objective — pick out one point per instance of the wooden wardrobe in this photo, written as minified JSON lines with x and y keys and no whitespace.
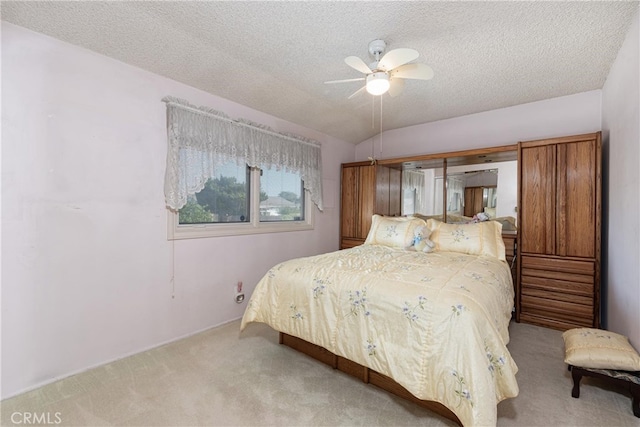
{"x":366,"y":190}
{"x":559,"y":219}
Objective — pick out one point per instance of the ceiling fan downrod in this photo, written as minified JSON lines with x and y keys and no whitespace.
{"x":376,"y":49}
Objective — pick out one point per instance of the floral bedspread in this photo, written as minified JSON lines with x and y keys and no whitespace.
{"x":437,"y":323}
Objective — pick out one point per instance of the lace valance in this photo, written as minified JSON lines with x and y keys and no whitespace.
{"x":201,"y":139}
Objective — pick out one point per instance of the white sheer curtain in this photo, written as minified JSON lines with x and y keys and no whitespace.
{"x":455,"y":195}
{"x":200,"y":139}
{"x":414,"y":180}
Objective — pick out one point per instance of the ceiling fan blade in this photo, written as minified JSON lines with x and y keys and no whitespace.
{"x":358,"y":64}
{"x":396,"y":87}
{"x":357,"y":92}
{"x":413,"y":71}
{"x":397,"y":57}
{"x":359,"y":79}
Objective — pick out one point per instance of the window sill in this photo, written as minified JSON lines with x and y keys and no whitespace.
{"x":197,"y":231}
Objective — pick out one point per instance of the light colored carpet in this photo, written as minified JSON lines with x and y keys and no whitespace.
{"x":221,"y":377}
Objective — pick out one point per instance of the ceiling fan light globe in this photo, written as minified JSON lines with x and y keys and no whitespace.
{"x":378,"y":83}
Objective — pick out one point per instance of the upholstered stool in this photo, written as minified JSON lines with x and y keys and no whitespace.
{"x":631,"y":380}
{"x":605,"y":355}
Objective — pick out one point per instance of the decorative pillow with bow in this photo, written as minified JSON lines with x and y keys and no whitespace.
{"x":421,"y":240}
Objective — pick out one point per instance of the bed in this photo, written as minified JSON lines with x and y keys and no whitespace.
{"x":432,"y":324}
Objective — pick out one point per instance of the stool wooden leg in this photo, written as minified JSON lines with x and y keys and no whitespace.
{"x":576,"y":374}
{"x":635,"y":399}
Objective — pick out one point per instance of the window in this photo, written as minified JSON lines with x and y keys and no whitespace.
{"x":224,"y":199}
{"x":227,"y":177}
{"x":281,"y":196}
{"x":244,"y":200}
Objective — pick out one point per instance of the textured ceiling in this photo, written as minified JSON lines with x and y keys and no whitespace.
{"x":275,"y":56}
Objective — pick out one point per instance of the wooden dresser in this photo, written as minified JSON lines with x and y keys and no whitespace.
{"x":559,"y":222}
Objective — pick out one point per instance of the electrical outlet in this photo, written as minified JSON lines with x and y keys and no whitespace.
{"x":239,"y":298}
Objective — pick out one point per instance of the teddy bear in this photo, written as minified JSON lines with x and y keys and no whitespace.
{"x":421,"y":240}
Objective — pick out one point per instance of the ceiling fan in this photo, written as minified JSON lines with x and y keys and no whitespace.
{"x":388,"y":71}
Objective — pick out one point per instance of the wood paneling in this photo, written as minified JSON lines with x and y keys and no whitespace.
{"x":537,"y":186}
{"x":473,"y":200}
{"x":367,"y":199}
{"x":366,"y":190}
{"x":579,"y":179}
{"x":395,"y":192}
{"x":382,"y":189}
{"x":349,"y":199}
{"x":319,"y":353}
{"x":554,"y":320}
{"x":353,"y":369}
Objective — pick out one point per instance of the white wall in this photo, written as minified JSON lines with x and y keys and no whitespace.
{"x":567,"y":115}
{"x":621,"y":147}
{"x":87,"y":268}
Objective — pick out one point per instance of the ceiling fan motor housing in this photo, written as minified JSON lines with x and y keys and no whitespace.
{"x":376,"y":48}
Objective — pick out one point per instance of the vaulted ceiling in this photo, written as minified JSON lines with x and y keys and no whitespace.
{"x":275,"y":56}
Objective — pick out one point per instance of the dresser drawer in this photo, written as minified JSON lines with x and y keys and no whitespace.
{"x":509,"y":244}
{"x":554,"y":323}
{"x":545,"y":306}
{"x":561,"y":276}
{"x":568,"y":266}
{"x":558,"y":296}
{"x":557,"y":282}
{"x":557,"y":293}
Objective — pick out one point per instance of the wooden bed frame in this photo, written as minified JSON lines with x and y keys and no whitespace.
{"x":362,"y":372}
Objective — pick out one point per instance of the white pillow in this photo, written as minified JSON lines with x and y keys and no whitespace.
{"x":482,"y":238}
{"x":394,"y":231}
{"x":491,"y":212}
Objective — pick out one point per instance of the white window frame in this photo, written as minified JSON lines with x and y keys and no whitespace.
{"x":177,"y":231}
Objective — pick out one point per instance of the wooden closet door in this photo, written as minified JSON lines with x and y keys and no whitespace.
{"x":473,"y":201}
{"x":382,"y":190}
{"x":395,"y":192}
{"x":469,"y":201}
{"x":478,"y":200}
{"x":538,"y":199}
{"x":367,"y":198}
{"x":576,"y":199}
{"x":349,"y":202}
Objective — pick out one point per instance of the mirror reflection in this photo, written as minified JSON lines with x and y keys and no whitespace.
{"x":477,"y":189}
